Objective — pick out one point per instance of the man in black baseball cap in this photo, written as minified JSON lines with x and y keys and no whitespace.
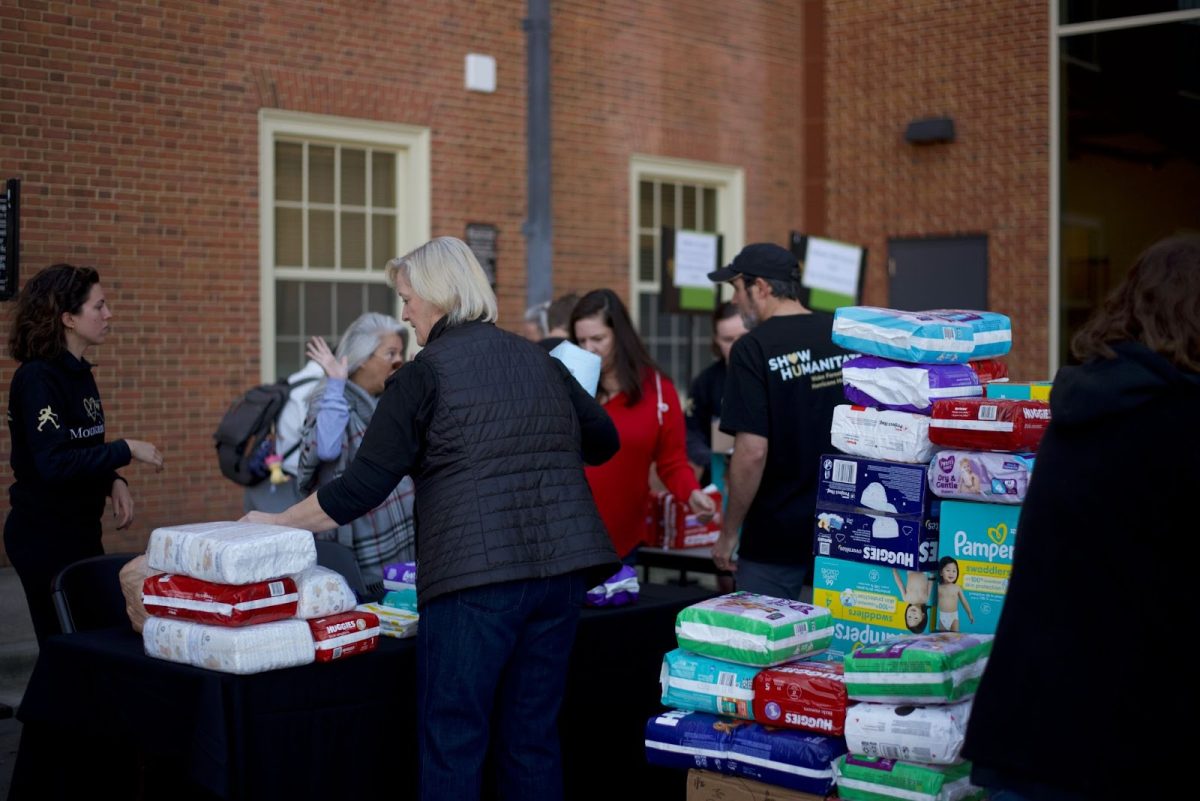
{"x":785,"y":377}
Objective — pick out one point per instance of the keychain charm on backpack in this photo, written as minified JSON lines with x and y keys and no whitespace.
{"x":274,"y":463}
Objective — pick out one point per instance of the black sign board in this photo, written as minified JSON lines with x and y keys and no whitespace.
{"x":481,"y":239}
{"x":10,"y":240}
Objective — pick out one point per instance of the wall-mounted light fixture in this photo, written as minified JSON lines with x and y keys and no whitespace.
{"x":480,"y":73}
{"x":929,"y":131}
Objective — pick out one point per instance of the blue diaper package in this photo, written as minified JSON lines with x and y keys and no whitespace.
{"x":907,"y":541}
{"x":944,"y":336}
{"x":856,"y":483}
{"x":798,"y":760}
{"x":693,"y":681}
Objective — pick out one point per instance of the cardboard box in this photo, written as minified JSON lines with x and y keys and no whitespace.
{"x":705,"y":785}
{"x":909,"y":542}
{"x":868,"y":603}
{"x":873,"y":486}
{"x":981,"y":539}
{"x":1032,"y":390}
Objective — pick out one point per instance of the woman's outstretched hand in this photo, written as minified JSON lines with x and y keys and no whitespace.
{"x":702,"y":506}
{"x":143,"y":451}
{"x":318,"y":350}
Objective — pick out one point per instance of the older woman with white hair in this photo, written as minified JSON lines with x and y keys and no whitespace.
{"x":495,"y":434}
{"x":339,"y":410}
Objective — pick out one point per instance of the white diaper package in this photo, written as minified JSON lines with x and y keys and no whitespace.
{"x":754,"y":629}
{"x":881,"y":434}
{"x":322,"y":592}
{"x":931,"y":734}
{"x":245,"y":649}
{"x":231,"y":553}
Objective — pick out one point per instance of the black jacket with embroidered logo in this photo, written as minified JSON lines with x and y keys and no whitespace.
{"x":61,"y":464}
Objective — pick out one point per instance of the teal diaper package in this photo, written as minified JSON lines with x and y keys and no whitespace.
{"x":693,"y":681}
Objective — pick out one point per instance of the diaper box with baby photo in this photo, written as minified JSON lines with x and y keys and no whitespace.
{"x":871,"y":603}
{"x":976,"y":548}
{"x":873,"y":485}
{"x":908,"y":541}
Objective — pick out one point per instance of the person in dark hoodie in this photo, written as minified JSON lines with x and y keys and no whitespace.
{"x":1071,"y":706}
{"x":63,"y":469}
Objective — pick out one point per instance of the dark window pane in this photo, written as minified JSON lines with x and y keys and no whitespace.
{"x":710,"y":210}
{"x":320,"y":239}
{"x":289,"y":238}
{"x":354,"y":241}
{"x":688,"y":219}
{"x":383,"y":179}
{"x":354,"y":177}
{"x":645,"y":204}
{"x":288,"y":171}
{"x":646,"y":265}
{"x":287,"y":308}
{"x":318,"y":310}
{"x":320,"y":174}
{"x":289,"y":357}
{"x":383,"y":240}
{"x":348,"y":303}
{"x":667,"y":206}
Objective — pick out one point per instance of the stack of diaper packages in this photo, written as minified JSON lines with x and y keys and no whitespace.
{"x":246,"y":598}
{"x":751,"y":696}
{"x":397,"y":610}
{"x":982,"y":472}
{"x":905,"y":732}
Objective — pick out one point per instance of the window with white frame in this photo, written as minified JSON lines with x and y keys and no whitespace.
{"x":683,"y":195}
{"x":338,"y":199}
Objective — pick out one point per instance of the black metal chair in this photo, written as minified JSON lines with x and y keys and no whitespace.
{"x":336,"y":556}
{"x":87,"y":594}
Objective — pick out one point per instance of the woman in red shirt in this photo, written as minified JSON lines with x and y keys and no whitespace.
{"x":644,"y":406}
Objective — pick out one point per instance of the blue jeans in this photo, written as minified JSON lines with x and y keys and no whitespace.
{"x":497,"y":652}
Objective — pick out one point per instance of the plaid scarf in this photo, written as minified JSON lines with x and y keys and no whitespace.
{"x":384,"y":534}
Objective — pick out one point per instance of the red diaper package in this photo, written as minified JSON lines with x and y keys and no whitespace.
{"x":672,"y":525}
{"x":802,"y":695}
{"x":989,"y":370}
{"x":200,"y":601}
{"x":989,"y":424}
{"x":344,"y":634}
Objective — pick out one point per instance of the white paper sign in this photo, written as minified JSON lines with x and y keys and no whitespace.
{"x":695,"y":258}
{"x":832,"y":266}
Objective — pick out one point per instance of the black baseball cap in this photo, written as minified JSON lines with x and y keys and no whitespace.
{"x":762,"y":259}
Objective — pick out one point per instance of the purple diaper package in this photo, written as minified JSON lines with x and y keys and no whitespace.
{"x":980,"y":475}
{"x":904,"y":387}
{"x":790,"y":758}
{"x":617,"y":590}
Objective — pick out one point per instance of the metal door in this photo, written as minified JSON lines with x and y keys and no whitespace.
{"x":938,"y":273}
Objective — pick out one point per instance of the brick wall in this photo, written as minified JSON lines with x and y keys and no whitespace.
{"x":134,"y":130}
{"x":984,"y":64}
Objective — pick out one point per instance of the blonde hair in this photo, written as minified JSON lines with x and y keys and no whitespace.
{"x":445,"y":273}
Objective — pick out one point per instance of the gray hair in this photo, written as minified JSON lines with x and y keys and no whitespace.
{"x":539,"y":315}
{"x":363,"y":336}
{"x":788,"y":289}
{"x":445,"y":273}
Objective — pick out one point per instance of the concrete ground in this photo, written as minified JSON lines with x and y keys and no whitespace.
{"x":18,"y":652}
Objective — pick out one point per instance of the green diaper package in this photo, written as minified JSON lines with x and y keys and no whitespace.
{"x":918,"y":668}
{"x":862,"y":778}
{"x":754,"y":629}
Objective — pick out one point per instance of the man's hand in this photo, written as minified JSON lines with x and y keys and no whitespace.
{"x":722,"y":551}
{"x":258,"y":517}
{"x":702,"y":506}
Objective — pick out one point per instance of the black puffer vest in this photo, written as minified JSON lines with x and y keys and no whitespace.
{"x":500,"y":493}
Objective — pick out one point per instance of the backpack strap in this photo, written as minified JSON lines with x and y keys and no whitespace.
{"x":291,"y":387}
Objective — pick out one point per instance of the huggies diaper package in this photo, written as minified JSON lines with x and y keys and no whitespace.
{"x":802,"y":695}
{"x":932,"y":734}
{"x":989,"y":370}
{"x":863,"y":778}
{"x":794,"y":759}
{"x":977,"y":545}
{"x":872,"y":485}
{"x":171,"y":595}
{"x":890,"y":540}
{"x":976,"y":424}
{"x":918,"y":669}
{"x":980,"y":475}
{"x":693,"y":681}
{"x":344,"y":634}
{"x":870,"y":603}
{"x":754,"y":629}
{"x":906,"y":387}
{"x":881,"y":434}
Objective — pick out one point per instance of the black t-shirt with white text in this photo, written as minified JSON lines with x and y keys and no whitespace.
{"x":785,"y":378}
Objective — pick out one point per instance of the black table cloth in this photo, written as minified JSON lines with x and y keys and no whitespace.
{"x":101,"y":717}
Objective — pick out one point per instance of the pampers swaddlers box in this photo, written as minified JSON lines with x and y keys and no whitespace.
{"x":981,"y":540}
{"x":754,"y":629}
{"x":868,"y":603}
